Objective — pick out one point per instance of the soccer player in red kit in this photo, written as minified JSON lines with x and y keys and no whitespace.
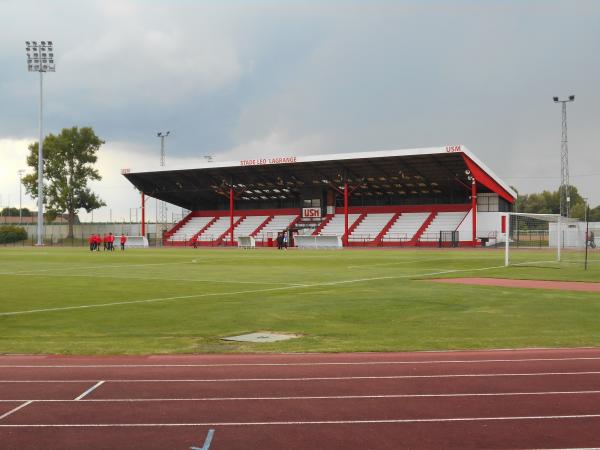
{"x":123,"y":240}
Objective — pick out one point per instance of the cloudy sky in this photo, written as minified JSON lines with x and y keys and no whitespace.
{"x":239,"y":78}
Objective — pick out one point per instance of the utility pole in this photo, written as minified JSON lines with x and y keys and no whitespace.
{"x":565,"y":194}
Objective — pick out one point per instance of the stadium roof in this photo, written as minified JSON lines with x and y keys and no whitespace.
{"x":401,"y":173}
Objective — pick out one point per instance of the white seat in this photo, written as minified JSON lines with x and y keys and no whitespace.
{"x":336,"y":225}
{"x":443,"y":221}
{"x":190,"y":228}
{"x":275,"y":225}
{"x":248,"y":225}
{"x":370,"y":227}
{"x":220,"y":226}
{"x":406,"y":226}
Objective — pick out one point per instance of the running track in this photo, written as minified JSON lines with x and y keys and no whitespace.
{"x":487,"y":399}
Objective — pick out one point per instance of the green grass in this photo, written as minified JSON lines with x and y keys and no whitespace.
{"x":350,"y":300}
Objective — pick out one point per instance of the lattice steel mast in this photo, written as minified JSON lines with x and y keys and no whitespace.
{"x":162,"y":214}
{"x":564,"y":192}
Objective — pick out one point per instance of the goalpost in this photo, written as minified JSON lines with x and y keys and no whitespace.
{"x":533,"y":231}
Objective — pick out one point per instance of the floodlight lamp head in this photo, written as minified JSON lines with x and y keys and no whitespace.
{"x":571,"y":98}
{"x":555,"y":99}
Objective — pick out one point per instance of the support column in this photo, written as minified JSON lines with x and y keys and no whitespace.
{"x":231,"y":214}
{"x":474,"y":210}
{"x":345,"y":242}
{"x":143,"y":214}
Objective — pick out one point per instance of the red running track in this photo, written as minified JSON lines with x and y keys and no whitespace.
{"x":486,"y":399}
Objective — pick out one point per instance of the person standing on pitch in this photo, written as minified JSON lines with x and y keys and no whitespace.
{"x":123,"y":240}
{"x":111,"y":242}
{"x":285,"y":239}
{"x":279,"y":241}
{"x":91,"y":241}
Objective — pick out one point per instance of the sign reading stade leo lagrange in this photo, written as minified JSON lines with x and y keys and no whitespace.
{"x":261,"y":161}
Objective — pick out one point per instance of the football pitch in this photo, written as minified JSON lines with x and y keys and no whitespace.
{"x":72,"y":301}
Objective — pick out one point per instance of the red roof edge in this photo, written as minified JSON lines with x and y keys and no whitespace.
{"x":482,"y":177}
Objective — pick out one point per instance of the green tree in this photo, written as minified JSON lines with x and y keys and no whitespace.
{"x":14,"y":212}
{"x":68,"y":167}
{"x":548,"y":202}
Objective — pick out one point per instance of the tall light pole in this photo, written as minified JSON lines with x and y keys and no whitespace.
{"x":21,"y":172}
{"x":40,"y":58}
{"x":163,"y":207}
{"x":565,"y":197}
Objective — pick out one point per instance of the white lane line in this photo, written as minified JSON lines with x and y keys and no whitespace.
{"x":293,"y":364}
{"x":311,"y":422}
{"x":14,"y":410}
{"x":366,"y":377}
{"x":309,"y":397}
{"x":254,"y":291}
{"x":90,"y":390}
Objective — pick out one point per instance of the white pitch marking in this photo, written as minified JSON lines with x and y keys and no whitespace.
{"x":214,"y":294}
{"x":315,"y":422}
{"x":292,"y":364}
{"x":90,"y":390}
{"x":310,"y":397}
{"x":15,"y":409}
{"x":115,"y":277}
{"x":382,"y":377}
{"x":32,"y":272}
{"x":290,"y":286}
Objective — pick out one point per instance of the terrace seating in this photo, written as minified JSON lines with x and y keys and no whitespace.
{"x":247,"y":226}
{"x":190,"y":228}
{"x":336,"y":225}
{"x":215,"y":231}
{"x":443,"y":221}
{"x":370,"y":227}
{"x":275,"y":225}
{"x":406,"y":227}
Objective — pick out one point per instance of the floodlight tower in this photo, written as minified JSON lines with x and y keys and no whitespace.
{"x":162,"y":135}
{"x":162,"y":205}
{"x":40,"y":58}
{"x":565,"y":197}
{"x":20,"y":172}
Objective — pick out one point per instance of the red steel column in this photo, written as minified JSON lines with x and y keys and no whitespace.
{"x":231,"y":214}
{"x":345,"y":213}
{"x":474,"y":210}
{"x":143,"y":214}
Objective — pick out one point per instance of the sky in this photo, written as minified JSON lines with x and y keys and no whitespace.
{"x":234,"y":79}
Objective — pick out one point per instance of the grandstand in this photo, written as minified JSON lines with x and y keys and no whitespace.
{"x":384,"y":198}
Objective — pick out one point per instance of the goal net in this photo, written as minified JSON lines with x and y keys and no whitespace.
{"x":547,"y":239}
{"x":532,"y":238}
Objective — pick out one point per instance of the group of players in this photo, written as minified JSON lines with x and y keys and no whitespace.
{"x":107,"y":241}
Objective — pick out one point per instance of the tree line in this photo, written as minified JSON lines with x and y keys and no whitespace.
{"x":548,"y":202}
